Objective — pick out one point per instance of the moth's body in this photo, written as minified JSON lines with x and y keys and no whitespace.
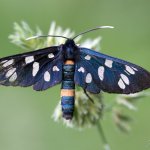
{"x":68,"y":85}
{"x":70,"y":64}
{"x":68,"y":89}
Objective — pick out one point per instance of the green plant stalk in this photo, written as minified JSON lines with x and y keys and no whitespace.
{"x":102,"y":136}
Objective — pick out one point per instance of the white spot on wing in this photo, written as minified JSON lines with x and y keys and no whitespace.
{"x":3,"y":61}
{"x":51,"y":55}
{"x":101,"y":70}
{"x":47,"y":76}
{"x":13,"y":77}
{"x":10,"y":72}
{"x":81,"y":69}
{"x":108,"y":63}
{"x":55,"y":68}
{"x":129,"y":69}
{"x":135,"y":69}
{"x":88,"y":78}
{"x":35,"y":68}
{"x":29,"y":59}
{"x":125,"y":79}
{"x":9,"y":62}
{"x":121,"y":84}
{"x":87,"y":57}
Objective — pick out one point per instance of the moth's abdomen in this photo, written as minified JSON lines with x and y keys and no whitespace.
{"x":67,"y":89}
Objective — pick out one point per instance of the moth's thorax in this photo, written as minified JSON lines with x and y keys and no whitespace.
{"x":69,"y":49}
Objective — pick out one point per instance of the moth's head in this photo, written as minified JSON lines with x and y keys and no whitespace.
{"x":70,"y":43}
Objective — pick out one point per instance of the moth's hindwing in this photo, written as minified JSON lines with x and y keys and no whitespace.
{"x":41,"y":68}
{"x":95,"y":71}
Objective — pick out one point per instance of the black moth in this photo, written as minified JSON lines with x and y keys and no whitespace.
{"x":70,"y":64}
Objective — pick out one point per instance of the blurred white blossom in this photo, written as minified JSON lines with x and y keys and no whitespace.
{"x":86,"y":113}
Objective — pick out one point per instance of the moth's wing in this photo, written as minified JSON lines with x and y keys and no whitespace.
{"x":95,"y":71}
{"x":41,"y":68}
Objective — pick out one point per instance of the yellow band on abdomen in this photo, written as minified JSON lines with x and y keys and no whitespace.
{"x":67,"y":92}
{"x":69,"y":62}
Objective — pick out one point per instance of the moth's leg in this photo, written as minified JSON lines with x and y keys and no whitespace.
{"x":88,"y":96}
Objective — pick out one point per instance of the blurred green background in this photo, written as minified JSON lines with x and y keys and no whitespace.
{"x":25,"y":115}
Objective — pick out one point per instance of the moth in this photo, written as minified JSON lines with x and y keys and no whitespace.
{"x":72,"y":65}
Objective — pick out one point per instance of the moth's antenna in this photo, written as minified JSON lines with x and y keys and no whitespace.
{"x":100,"y":27}
{"x":41,"y":36}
